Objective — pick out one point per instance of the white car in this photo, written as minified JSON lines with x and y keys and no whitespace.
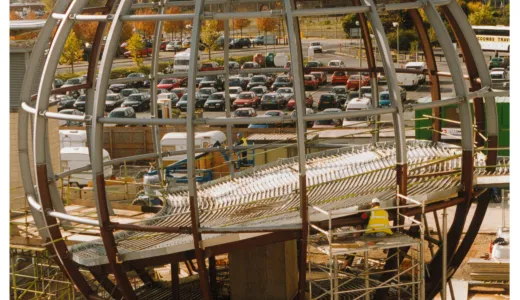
{"x":285,"y":92}
{"x":316,"y":47}
{"x":498,"y":73}
{"x":234,"y":91}
{"x":174,"y":46}
{"x":336,"y":63}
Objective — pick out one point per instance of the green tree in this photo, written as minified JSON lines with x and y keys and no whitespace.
{"x":135,"y":46}
{"x":210,"y":35}
{"x":482,"y":16}
{"x":71,"y":51}
{"x":349,"y":22}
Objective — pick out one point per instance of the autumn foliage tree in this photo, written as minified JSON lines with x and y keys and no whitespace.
{"x":147,"y":28}
{"x":241,"y":24}
{"x":172,"y":27}
{"x":14,"y":16}
{"x":71,"y":51}
{"x":85,"y":30}
{"x":135,"y":45}
{"x":209,"y":35}
{"x":266,"y":25}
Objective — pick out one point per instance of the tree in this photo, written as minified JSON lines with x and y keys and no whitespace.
{"x":174,"y":26}
{"x":241,"y":24}
{"x":483,"y":16}
{"x":266,"y":25}
{"x":31,"y":16}
{"x":14,"y":16}
{"x":49,"y":5}
{"x":147,"y":28}
{"x":71,"y":51}
{"x":135,"y":46}
{"x":127,"y":31}
{"x":210,"y":35}
{"x":85,"y":30}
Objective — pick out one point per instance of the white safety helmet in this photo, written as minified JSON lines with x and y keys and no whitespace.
{"x":376,"y":200}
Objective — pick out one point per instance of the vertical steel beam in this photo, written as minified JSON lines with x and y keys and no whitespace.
{"x":190,"y":145}
{"x":226,"y":94}
{"x":485,"y":79}
{"x":435,"y":90}
{"x":293,"y":32}
{"x":444,"y":253}
{"x":175,"y":281}
{"x":213,"y":275}
{"x":371,"y":62}
{"x":96,"y":152}
{"x":153,"y":86}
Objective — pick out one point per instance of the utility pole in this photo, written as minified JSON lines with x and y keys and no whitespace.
{"x":359,"y":44}
{"x":396,"y":24}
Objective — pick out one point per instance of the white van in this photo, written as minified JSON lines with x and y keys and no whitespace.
{"x":73,"y":138}
{"x":181,"y":61}
{"x":357,"y":104}
{"x":77,"y":157}
{"x":176,"y":141}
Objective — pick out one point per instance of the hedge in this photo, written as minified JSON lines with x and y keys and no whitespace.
{"x":67,"y":76}
{"x":239,"y":59}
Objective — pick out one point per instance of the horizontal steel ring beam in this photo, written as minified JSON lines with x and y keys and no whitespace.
{"x":84,"y":18}
{"x":75,"y":219}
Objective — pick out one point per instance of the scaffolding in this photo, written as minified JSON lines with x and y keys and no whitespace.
{"x":355,"y":260}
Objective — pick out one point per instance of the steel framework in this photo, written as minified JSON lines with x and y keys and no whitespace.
{"x":44,"y":198}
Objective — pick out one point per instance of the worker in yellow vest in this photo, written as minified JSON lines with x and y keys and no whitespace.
{"x":241,"y":141}
{"x":378,"y":223}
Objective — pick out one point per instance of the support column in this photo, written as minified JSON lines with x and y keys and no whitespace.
{"x":270,"y":271}
{"x":175,"y":281}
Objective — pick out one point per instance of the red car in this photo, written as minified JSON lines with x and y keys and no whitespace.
{"x":308,"y":102}
{"x":179,"y":91}
{"x":140,"y":53}
{"x":339,"y":77}
{"x":169,"y":83}
{"x":245,"y":99}
{"x":353,"y":82}
{"x":321,"y":76}
{"x":310,"y":81}
{"x":211,"y":66}
{"x":162,"y":47}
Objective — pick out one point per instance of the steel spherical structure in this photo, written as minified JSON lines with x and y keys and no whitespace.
{"x":47,"y":207}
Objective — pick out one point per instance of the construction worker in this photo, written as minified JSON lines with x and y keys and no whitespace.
{"x":378,"y":223}
{"x":241,"y":141}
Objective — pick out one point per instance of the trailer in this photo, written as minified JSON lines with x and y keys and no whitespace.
{"x":77,"y":157}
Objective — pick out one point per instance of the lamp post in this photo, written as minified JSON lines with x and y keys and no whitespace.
{"x":359,"y":44}
{"x":396,"y":24}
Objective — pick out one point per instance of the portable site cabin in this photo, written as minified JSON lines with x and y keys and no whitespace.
{"x":73,"y":138}
{"x":77,"y":157}
{"x":181,"y":61}
{"x":176,"y":141}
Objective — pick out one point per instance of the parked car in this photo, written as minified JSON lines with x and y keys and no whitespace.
{"x":233,"y":66}
{"x":70,"y":111}
{"x":328,"y":123}
{"x":320,"y":76}
{"x":245,"y":99}
{"x":273,"y":100}
{"x":358,"y":104}
{"x":341,"y":93}
{"x":58,"y":83}
{"x":498,"y":73}
{"x":308,"y":111}
{"x":336,"y":63}
{"x":309,"y":101}
{"x":117,"y":87}
{"x":328,"y":100}
{"x":244,"y":112}
{"x":259,"y":90}
{"x":122,"y":112}
{"x":139,"y":102}
{"x":162,"y":46}
{"x":216,"y":101}
{"x":79,"y":104}
{"x":313,"y":64}
{"x":211,"y":66}
{"x":234,"y":81}
{"x":174,"y":46}
{"x":353,"y":82}
{"x":179,"y":91}
{"x":182,"y":104}
{"x":146,"y":51}
{"x":498,"y":62}
{"x":204,"y":93}
{"x":169,"y":83}
{"x":257,"y":80}
{"x":282,"y":81}
{"x":127,"y":92}
{"x":246,"y":78}
{"x":384,"y":97}
{"x":351,"y":95}
{"x":74,"y":81}
{"x":286,"y":92}
{"x":240,"y":43}
{"x":262,"y":125}
{"x":113,"y":101}
{"x":366,"y":91}
{"x":66,"y":102}
{"x":250,"y":65}
{"x":316,"y":47}
{"x":140,"y":80}
{"x":212,"y":81}
{"x":339,"y":77}
{"x":311,"y":82}
{"x":233,"y":93}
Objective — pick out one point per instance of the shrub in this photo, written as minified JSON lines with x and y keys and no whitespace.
{"x":67,"y":76}
{"x":406,"y":37}
{"x":239,"y":59}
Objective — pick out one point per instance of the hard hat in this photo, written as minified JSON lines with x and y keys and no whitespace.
{"x":239,"y":135}
{"x":375,"y":200}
